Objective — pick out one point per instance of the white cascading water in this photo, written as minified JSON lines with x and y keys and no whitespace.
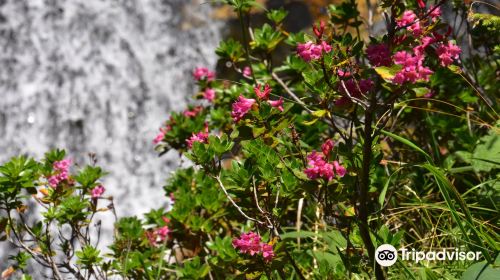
{"x":100,"y":76}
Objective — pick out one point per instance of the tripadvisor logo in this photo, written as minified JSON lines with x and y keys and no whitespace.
{"x":387,"y":255}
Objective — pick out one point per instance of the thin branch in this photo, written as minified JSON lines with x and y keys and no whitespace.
{"x":255,"y":196}
{"x":234,"y":203}
{"x":354,"y":99}
{"x":282,"y":84}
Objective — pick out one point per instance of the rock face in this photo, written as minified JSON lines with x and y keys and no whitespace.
{"x":100,"y":76}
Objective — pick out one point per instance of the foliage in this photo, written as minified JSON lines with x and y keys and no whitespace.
{"x":302,"y":167}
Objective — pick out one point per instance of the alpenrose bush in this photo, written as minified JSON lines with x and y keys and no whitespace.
{"x":303,"y":166}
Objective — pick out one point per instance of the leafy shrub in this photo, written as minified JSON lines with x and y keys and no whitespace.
{"x":302,"y":166}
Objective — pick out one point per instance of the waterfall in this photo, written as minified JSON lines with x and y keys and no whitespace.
{"x":99,"y":76}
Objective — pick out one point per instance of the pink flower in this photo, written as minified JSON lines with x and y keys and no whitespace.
{"x":267,"y":252}
{"x":262,"y":95}
{"x":447,"y":53}
{"x":318,"y":167}
{"x":436,"y":13}
{"x":421,"y":4}
{"x":248,"y":243}
{"x":61,"y":173}
{"x":62,"y":165}
{"x":327,"y":147}
{"x":209,"y":94}
{"x":159,"y":137}
{"x":161,"y":134}
{"x":247,"y":72}
{"x":241,"y":107}
{"x":53,"y":181}
{"x":163,"y":233}
{"x":343,"y":74}
{"x":426,"y":41}
{"x":319,"y":31}
{"x":192,"y":113}
{"x":326,"y":48}
{"x":277,"y":103}
{"x":339,"y":169}
{"x":201,"y":137}
{"x":408,"y":19}
{"x":379,"y":55}
{"x":98,"y":191}
{"x":310,"y":51}
{"x":413,"y":69}
{"x":201,"y":73}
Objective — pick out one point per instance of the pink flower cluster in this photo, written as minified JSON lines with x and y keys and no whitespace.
{"x":159,"y":235}
{"x":209,"y":94}
{"x":61,"y":169}
{"x":310,"y":51}
{"x":410,"y":22}
{"x":163,"y":233}
{"x":201,"y":137}
{"x":413,"y":69}
{"x":202,"y":73}
{"x":159,"y":137}
{"x":319,"y":165}
{"x":193,"y":112}
{"x":379,"y":55}
{"x":447,"y":52}
{"x":97,"y":191}
{"x":435,"y":12}
{"x":250,"y":243}
{"x":241,"y":107}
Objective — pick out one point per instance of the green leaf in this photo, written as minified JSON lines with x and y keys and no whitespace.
{"x":277,"y":16}
{"x":88,"y":256}
{"x":407,"y":142}
{"x":266,"y":38}
{"x":230,"y":49}
{"x":258,"y":131}
{"x":388,"y":73}
{"x":311,"y":122}
{"x":486,"y":155}
{"x":298,"y":234}
{"x":455,"y":69}
{"x":320,"y":113}
{"x":420,"y":91}
{"x":482,"y":271}
{"x":381,"y":197}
